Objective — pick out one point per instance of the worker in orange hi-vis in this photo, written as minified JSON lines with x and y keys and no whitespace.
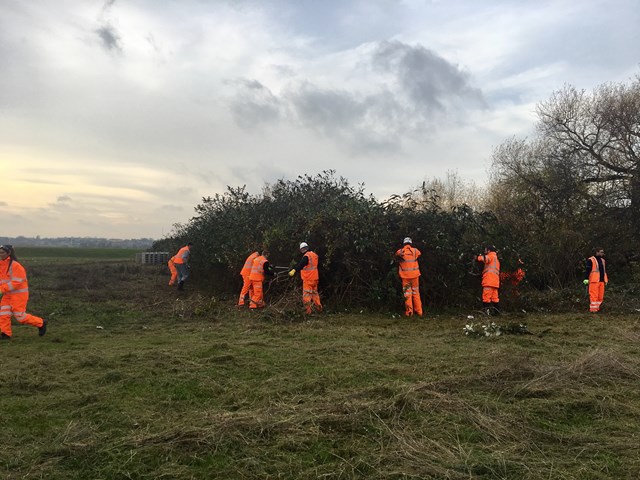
{"x":409,"y":272}
{"x":490,"y":280}
{"x":308,"y":268}
{"x":173,"y":270}
{"x":245,"y":273}
{"x":181,"y":262}
{"x":14,"y":295}
{"x":259,"y":268}
{"x":596,"y":278}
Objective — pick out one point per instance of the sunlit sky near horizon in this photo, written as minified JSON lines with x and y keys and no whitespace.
{"x":118,"y":116}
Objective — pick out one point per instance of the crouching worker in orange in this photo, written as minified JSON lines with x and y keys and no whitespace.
{"x":308,"y":268}
{"x":259,"y":268}
{"x":596,"y":277}
{"x":14,"y":294}
{"x":174,"y":272}
{"x":490,"y":280}
{"x":245,"y":273}
{"x":409,"y":272}
{"x":181,"y":262}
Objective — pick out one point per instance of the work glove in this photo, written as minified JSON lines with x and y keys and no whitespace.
{"x":586,"y":282}
{"x":292,"y":272}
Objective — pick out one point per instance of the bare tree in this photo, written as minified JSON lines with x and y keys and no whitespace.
{"x":599,"y":133}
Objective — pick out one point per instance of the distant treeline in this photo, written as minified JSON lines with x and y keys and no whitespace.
{"x":81,"y":242}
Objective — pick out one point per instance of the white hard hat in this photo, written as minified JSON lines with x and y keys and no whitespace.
{"x":407,"y":240}
{"x":303,"y":245}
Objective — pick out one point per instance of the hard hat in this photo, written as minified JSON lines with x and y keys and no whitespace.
{"x":407,"y":240}
{"x":303,"y":245}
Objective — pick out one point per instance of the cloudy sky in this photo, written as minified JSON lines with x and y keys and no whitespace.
{"x":118,"y":116}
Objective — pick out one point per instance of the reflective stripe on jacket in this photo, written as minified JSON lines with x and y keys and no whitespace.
{"x":408,"y":267}
{"x":594,"y":276}
{"x":13,"y":277}
{"x":491,"y":271}
{"x":310,"y":271}
{"x":248,"y":263}
{"x":257,"y":269}
{"x":183,"y":255}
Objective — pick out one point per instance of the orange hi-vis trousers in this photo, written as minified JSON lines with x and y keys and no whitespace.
{"x":247,"y":289}
{"x":174,"y":272}
{"x":257,"y":297}
{"x":411,"y":291}
{"x":16,"y":304}
{"x":310,"y":296}
{"x":596,"y":295}
{"x":490,"y":294}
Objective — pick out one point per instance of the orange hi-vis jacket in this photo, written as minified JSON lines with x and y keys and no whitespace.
{"x":183,"y":255}
{"x":309,"y":272}
{"x":257,"y":269}
{"x":491,"y":271}
{"x":248,"y":263}
{"x":13,"y":277}
{"x":408,"y":267}
{"x":594,"y":276}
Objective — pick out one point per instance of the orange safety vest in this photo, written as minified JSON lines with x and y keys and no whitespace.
{"x":257,"y":269}
{"x":491,"y":271}
{"x":594,"y":276}
{"x":310,"y":271}
{"x":408,"y":267}
{"x":182,"y":256}
{"x":13,"y":277}
{"x":248,"y":263}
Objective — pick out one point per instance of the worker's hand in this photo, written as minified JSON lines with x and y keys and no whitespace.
{"x":292,"y":272}
{"x":585,"y":281}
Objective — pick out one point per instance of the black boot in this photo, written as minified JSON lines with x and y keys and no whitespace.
{"x":486,"y":307}
{"x":496,"y":308}
{"x":181,"y":285}
{"x":43,"y":329}
{"x":4,"y":336}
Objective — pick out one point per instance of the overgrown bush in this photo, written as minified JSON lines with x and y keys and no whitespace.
{"x":354,"y":234}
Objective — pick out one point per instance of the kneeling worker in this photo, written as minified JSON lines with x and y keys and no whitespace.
{"x":14,"y":295}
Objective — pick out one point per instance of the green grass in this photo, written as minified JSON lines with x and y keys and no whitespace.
{"x":133,"y":381}
{"x":31,"y":255}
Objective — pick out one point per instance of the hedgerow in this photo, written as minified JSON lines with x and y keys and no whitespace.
{"x":354,"y":234}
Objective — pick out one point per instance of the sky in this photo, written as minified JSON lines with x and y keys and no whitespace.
{"x":117,"y":117}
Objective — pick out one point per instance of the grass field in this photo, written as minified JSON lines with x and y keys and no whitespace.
{"x":133,"y":381}
{"x":36,"y":255}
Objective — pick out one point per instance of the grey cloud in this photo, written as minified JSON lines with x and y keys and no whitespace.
{"x":425,"y":90}
{"x":326,"y":108}
{"x":429,"y":81}
{"x":254,"y":104}
{"x":4,"y":204}
{"x":109,"y":37}
{"x":64,"y":198}
{"x":360,"y":122}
